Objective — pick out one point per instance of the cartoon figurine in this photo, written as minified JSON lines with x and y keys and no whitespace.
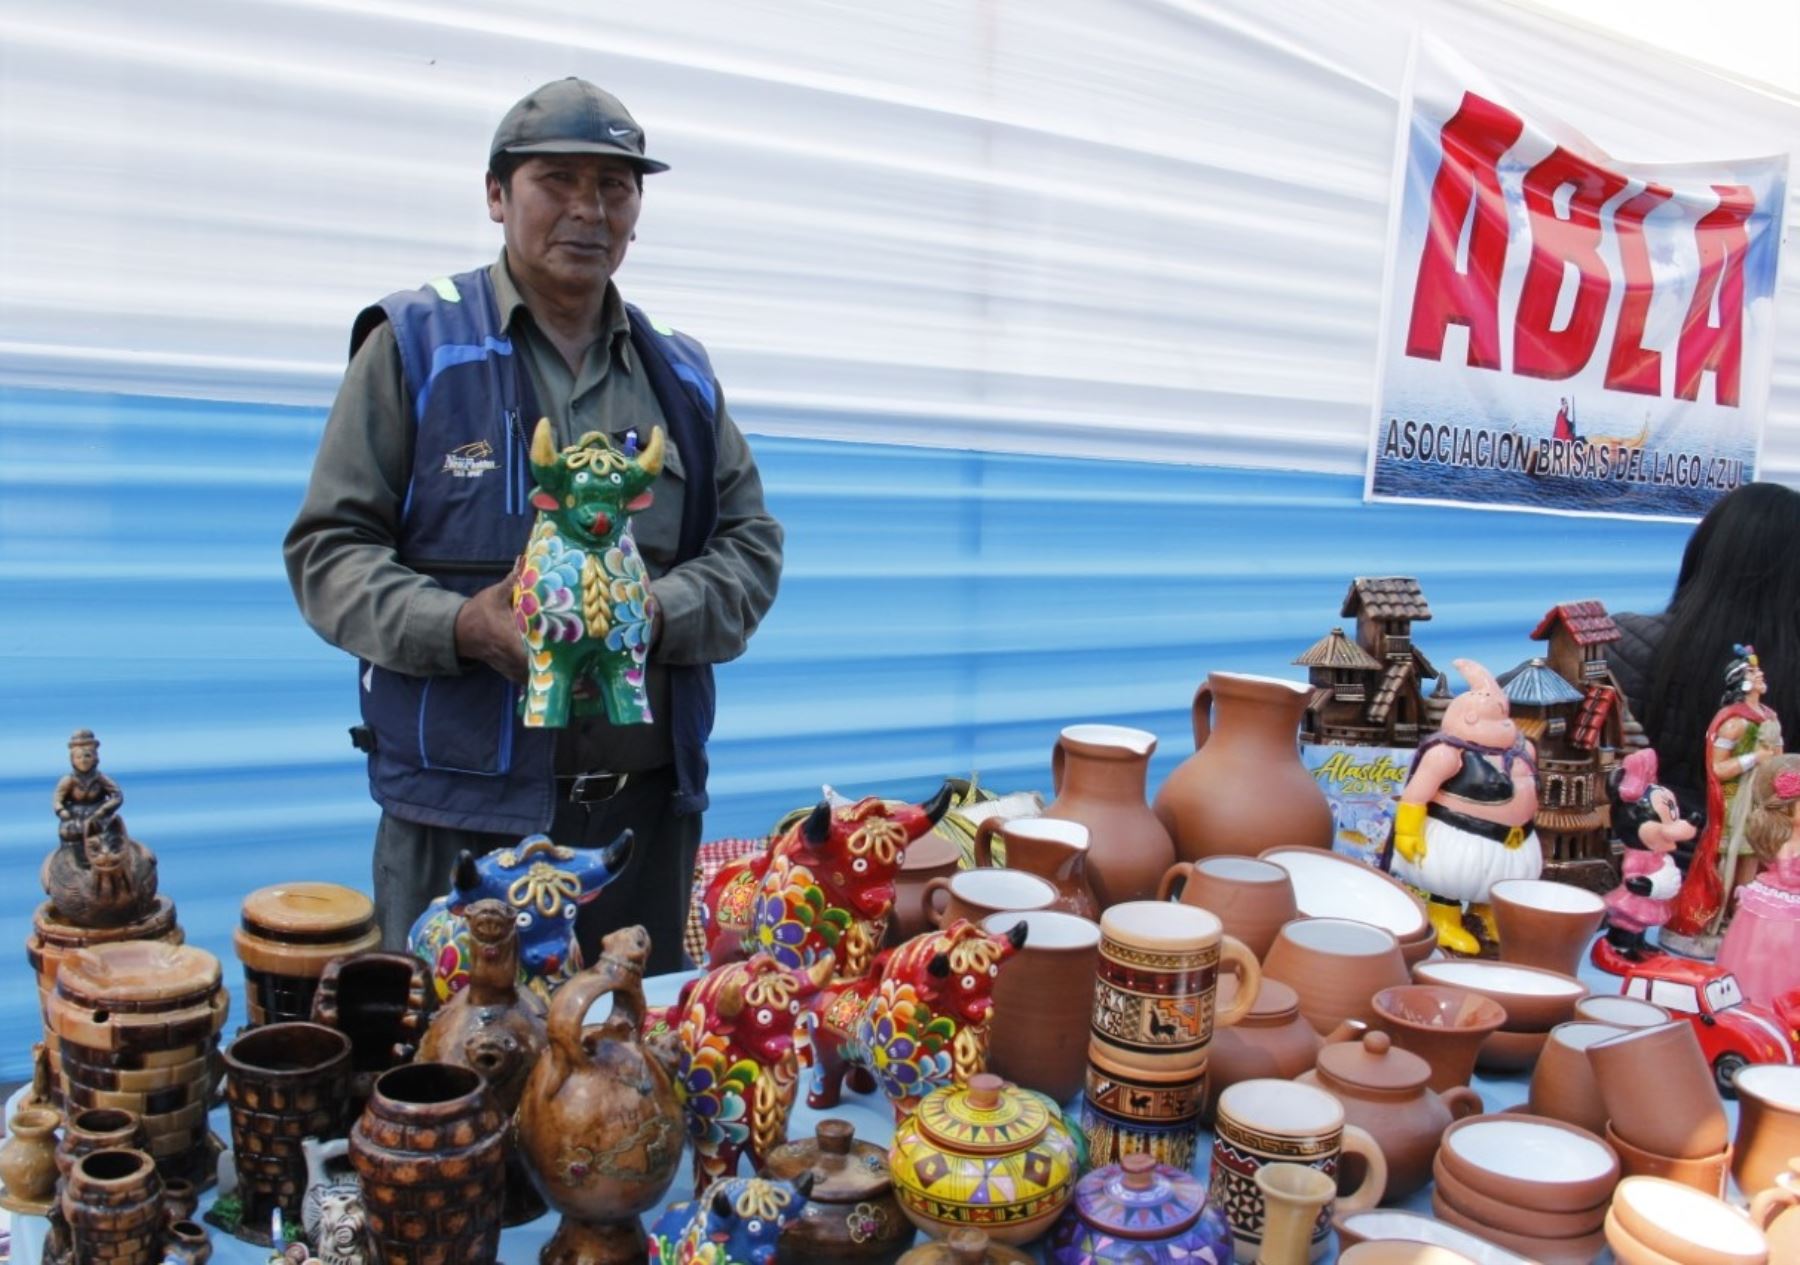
{"x":1762,"y":945}
{"x":1744,"y":733}
{"x":827,"y":884}
{"x":582,"y":597}
{"x":920,"y":1022}
{"x":1647,"y":820}
{"x":739,"y":1068}
{"x":97,"y":876}
{"x":543,"y":884}
{"x":1464,"y":821}
{"x":737,"y":1222}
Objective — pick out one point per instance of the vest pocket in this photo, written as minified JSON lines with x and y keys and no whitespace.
{"x":460,"y":724}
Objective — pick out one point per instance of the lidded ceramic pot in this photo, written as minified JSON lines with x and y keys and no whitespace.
{"x":287,"y":933}
{"x":990,"y":1155}
{"x":851,"y":1214}
{"x":1142,"y":1212}
{"x":1384,"y":1091}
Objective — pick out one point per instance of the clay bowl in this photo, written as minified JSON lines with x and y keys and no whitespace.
{"x":1336,"y":966}
{"x":1580,"y":1251}
{"x":1380,"y":1225}
{"x":1512,"y":1218}
{"x":1705,"y":1174}
{"x":1620,"y":1012}
{"x":1686,"y":1225}
{"x":1563,"y":1086}
{"x":1530,"y":1162}
{"x":1535,"y":1000}
{"x":1628,"y":1251}
{"x":1327,"y":885}
{"x":1544,"y":924}
{"x":1768,"y":1132}
{"x":1400,"y":1252}
{"x":1415,"y":949}
{"x":1444,"y":1026}
{"x":1252,"y":898}
{"x":1511,"y":1051}
{"x":1682,"y":1116}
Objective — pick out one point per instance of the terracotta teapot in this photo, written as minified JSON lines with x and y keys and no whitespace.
{"x":1383,"y":1089}
{"x":1244,"y":789}
{"x":1100,"y":774}
{"x":599,"y":1127}
{"x":1053,"y":849}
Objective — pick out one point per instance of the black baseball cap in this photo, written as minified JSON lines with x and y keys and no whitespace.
{"x":572,"y":116}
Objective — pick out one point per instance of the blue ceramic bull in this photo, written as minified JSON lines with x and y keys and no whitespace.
{"x":737,"y":1222}
{"x":545,"y":883}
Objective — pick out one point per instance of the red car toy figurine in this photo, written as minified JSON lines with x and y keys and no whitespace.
{"x":1734,"y":1033}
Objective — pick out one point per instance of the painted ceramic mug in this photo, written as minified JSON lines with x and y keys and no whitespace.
{"x":1159,"y":975}
{"x":1124,"y":1113}
{"x":1270,"y":1121}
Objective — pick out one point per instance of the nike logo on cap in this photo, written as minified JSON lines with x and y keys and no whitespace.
{"x":620,"y":131}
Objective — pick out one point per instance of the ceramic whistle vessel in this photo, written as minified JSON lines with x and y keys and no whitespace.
{"x":1100,"y":774}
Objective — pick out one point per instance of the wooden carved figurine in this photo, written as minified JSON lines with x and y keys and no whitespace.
{"x":582,"y":598}
{"x":98,"y":876}
{"x":1762,"y":945}
{"x":1465,"y":814}
{"x":739,"y":1068}
{"x":1744,"y":733}
{"x":496,"y":1028}
{"x":919,"y":1023}
{"x":826,"y":885}
{"x":1647,"y":821}
{"x":543,"y":884}
{"x":738,"y":1221}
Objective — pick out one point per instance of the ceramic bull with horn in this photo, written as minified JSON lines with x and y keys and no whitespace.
{"x":582,"y":597}
{"x":825,"y":885}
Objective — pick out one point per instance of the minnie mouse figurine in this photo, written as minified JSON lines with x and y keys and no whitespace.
{"x":1648,"y":821}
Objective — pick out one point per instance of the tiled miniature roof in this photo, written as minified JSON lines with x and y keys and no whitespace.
{"x":1318,"y":698}
{"x":1535,"y":683}
{"x":1392,"y":682}
{"x":1587,"y":622}
{"x":1596,"y":706}
{"x":1338,"y":651}
{"x":1422,"y":665}
{"x":1389,"y":597}
{"x":1570,"y":820}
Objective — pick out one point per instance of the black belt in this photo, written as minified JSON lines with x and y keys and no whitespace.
{"x":591,"y":788}
{"x":1511,"y":836}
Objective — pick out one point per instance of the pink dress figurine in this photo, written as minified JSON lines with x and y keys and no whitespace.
{"x":1762,"y":944}
{"x":1647,"y":820}
{"x":1464,"y":821}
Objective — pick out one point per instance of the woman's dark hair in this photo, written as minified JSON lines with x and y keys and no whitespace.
{"x":1739,"y":584}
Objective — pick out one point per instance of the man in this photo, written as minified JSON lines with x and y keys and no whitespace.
{"x":419,"y":506}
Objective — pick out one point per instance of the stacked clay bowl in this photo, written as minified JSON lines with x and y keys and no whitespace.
{"x":1533,"y":1186}
{"x":1535,"y":1001}
{"x":1391,"y":1225}
{"x":1653,"y":1222}
{"x":1330,"y":886}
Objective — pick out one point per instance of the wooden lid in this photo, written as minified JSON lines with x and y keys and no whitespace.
{"x":302,"y":912}
{"x":139,"y":972}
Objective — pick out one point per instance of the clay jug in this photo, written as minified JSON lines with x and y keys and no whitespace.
{"x":1244,"y":788}
{"x":1054,"y":850}
{"x":28,"y":1160}
{"x":599,"y":1126}
{"x":1100,"y":774}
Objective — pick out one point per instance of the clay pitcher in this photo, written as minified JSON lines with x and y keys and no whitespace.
{"x":1053,"y":849}
{"x":1100,"y":774}
{"x":599,"y":1126}
{"x":1244,"y":788}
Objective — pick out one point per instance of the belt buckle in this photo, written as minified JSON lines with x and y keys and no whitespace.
{"x":596,"y":788}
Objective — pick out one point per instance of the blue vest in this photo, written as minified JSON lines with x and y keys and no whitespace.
{"x":450,"y":750}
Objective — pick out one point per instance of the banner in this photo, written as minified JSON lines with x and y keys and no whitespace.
{"x":1563,"y":330}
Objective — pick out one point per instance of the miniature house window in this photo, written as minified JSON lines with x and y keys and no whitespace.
{"x":1556,"y":727}
{"x":1594,"y":669}
{"x":1553,"y":793}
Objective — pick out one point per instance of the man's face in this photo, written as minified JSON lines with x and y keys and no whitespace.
{"x":568,"y":219}
{"x":84,"y":758}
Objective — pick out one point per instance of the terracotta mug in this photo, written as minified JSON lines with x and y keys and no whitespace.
{"x":1563,"y":1086}
{"x":974,"y":894}
{"x":1544,"y":924}
{"x":1768,"y":1132}
{"x":1252,"y":898}
{"x":1159,"y":970}
{"x":1043,"y":997}
{"x":1659,"y":1091}
{"x":1053,"y":849}
{"x":1336,"y":966}
{"x":1262,"y":1122}
{"x":1620,"y":1012}
{"x":1776,"y":1210}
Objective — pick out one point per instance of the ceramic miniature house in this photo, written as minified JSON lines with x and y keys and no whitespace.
{"x":1370,"y":691}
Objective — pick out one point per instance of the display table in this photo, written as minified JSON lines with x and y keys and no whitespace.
{"x":869,"y":1113}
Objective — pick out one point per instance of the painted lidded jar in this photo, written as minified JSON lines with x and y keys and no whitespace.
{"x":987,"y":1155}
{"x":1142,"y":1212}
{"x":851,"y":1214}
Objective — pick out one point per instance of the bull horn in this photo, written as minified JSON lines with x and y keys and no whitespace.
{"x":731,"y":997}
{"x":1017,"y":934}
{"x":650,"y":461}
{"x":721,"y":1201}
{"x":821,"y":971}
{"x":543,"y":445}
{"x":618,"y":853}
{"x":939,"y":966}
{"x":817,"y":826}
{"x":466,"y":877}
{"x":939,"y":804}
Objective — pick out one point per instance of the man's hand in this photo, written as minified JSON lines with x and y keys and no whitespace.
{"x":485,"y":630}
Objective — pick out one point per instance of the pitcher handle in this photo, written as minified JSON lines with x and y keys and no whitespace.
{"x":1233,"y":953}
{"x":1771,"y":1203}
{"x":1375,"y":1177}
{"x":1203,"y":701}
{"x":1056,"y":768}
{"x":984,"y":836}
{"x":927,"y":911}
{"x":1184,"y":870}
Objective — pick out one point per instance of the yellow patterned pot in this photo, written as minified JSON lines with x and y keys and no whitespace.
{"x":988,"y":1156}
